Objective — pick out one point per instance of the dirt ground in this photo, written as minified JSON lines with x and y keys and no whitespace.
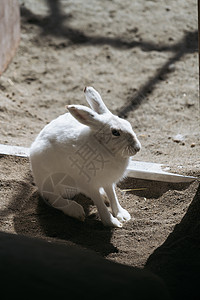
{"x":142,"y":56}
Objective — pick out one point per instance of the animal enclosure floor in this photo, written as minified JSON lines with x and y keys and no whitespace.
{"x":155,"y":211}
{"x":142,"y":56}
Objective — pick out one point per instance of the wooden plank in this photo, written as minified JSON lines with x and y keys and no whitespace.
{"x":14,"y":150}
{"x":157,"y":172}
{"x":9,"y":31}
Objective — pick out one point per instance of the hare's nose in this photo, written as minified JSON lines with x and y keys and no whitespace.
{"x":137,"y":146}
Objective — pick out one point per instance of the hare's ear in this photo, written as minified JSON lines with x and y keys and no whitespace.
{"x":84,"y":115}
{"x":95,"y":101}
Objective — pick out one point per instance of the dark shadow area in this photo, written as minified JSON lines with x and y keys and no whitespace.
{"x":150,"y":189}
{"x":177,"y":261}
{"x":35,"y":268}
{"x":37,"y":219}
{"x":53,"y":25}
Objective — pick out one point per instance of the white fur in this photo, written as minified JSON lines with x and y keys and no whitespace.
{"x":79,"y":153}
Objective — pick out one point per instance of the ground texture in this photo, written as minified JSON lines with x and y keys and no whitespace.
{"x":142,"y":56}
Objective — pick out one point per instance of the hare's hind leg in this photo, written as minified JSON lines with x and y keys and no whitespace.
{"x":57,"y":190}
{"x":70,"y":208}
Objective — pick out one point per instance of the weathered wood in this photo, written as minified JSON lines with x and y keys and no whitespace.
{"x":9,"y":31}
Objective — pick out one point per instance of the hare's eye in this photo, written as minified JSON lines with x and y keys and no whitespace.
{"x":115,"y":132}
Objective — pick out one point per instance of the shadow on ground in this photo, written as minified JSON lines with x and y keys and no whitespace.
{"x":56,"y":24}
{"x":150,"y":189}
{"x":177,"y":261}
{"x":35,"y":218}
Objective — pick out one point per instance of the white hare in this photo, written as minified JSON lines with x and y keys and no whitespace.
{"x":86,"y":150}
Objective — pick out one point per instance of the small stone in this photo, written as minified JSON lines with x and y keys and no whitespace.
{"x":179,"y":138}
{"x":192,"y":145}
{"x":171,"y":67}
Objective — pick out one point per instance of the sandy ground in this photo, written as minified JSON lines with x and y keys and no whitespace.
{"x":142,"y":56}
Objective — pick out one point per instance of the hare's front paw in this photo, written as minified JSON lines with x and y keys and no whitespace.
{"x":123,"y":215}
{"x":112,"y":222}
